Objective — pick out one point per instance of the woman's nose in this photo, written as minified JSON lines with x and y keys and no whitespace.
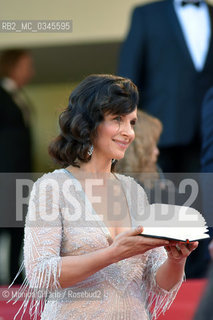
{"x":127,"y":129}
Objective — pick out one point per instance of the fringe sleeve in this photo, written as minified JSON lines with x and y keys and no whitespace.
{"x":42,"y":242}
{"x":157,"y":300}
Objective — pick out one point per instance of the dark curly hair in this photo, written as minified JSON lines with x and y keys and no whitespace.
{"x":94,"y":97}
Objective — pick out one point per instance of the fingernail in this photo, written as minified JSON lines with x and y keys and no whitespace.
{"x":138,"y":228}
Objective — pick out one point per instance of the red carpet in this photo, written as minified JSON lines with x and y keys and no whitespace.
{"x":183,"y":308}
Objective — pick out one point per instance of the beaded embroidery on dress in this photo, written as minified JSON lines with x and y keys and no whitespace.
{"x":123,"y":290}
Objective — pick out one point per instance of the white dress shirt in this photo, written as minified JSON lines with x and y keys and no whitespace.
{"x":11,"y":87}
{"x":196,"y":27}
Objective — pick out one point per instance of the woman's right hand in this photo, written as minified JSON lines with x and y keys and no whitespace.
{"x":127,"y":244}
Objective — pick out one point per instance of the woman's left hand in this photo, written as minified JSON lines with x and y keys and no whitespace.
{"x":178,"y":252}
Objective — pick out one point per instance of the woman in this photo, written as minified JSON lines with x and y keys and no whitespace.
{"x":92,"y":264}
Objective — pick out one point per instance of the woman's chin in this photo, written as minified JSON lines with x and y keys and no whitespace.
{"x":119,"y":156}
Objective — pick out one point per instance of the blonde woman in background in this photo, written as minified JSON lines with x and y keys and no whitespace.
{"x":141,"y":157}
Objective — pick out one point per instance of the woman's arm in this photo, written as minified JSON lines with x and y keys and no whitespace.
{"x":77,"y":268}
{"x":163,"y":276}
{"x":169,"y":274}
{"x":171,"y":271}
{"x":127,"y":244}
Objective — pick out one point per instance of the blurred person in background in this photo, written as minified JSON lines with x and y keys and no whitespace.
{"x":16,"y":71}
{"x":211,"y":249}
{"x":207,"y":156}
{"x":205,"y":309}
{"x":141,"y":157}
{"x":168,"y":54}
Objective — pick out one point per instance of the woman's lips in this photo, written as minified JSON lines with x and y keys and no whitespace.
{"x":122,"y":144}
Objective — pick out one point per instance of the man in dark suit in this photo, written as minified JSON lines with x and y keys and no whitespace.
{"x":168,"y":54}
{"x":16,"y":68}
{"x":205,"y":309}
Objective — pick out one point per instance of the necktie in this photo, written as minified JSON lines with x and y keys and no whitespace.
{"x":194,"y":2}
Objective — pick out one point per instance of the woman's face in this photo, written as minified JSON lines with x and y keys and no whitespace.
{"x":114,"y":135}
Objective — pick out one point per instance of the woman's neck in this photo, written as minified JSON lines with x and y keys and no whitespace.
{"x":95,"y":168}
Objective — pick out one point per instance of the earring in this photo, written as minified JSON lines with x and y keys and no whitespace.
{"x":113,"y":161}
{"x":90,"y":151}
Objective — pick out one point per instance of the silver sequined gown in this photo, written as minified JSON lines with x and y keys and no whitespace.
{"x":122,"y":291}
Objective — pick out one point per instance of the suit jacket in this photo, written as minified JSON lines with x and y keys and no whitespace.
{"x":207,"y":132}
{"x":15,"y":140}
{"x":205,"y":310}
{"x":156,"y":58}
{"x":207,"y":157}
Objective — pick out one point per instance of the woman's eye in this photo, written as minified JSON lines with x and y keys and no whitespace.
{"x":133,"y":122}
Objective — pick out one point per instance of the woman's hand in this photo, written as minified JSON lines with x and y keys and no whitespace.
{"x":178,"y":252}
{"x":128,"y":243}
